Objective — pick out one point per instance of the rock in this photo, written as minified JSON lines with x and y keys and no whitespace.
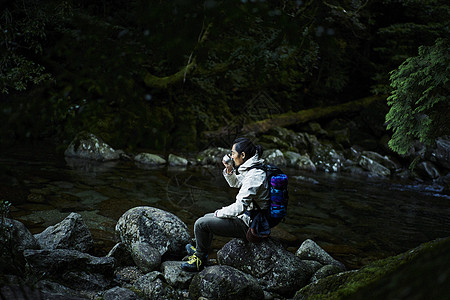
{"x":325,"y":271}
{"x":121,"y":254}
{"x":309,"y":250}
{"x":441,"y":155}
{"x":420,"y":273}
{"x":224,"y":282}
{"x":298,"y":161}
{"x":128,"y":274}
{"x":150,"y":159}
{"x":80,"y":280}
{"x":153,"y":287}
{"x":119,"y":293}
{"x":59,"y":260}
{"x":160,"y":229}
{"x":88,"y":146}
{"x":374,"y":167}
{"x":212,"y":156}
{"x":383,"y":160}
{"x":275,"y":269}
{"x":274,"y":157}
{"x":177,"y":161}
{"x":145,"y":256}
{"x":175,"y":276}
{"x":14,"y":239}
{"x":71,"y":233}
{"x":326,"y":158}
{"x":428,"y":170}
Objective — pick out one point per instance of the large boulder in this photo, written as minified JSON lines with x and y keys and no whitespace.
{"x":275,"y":269}
{"x":212,"y":156}
{"x":441,"y":155}
{"x":71,"y":233}
{"x":274,"y":157}
{"x":150,"y":159}
{"x":152,"y":285}
{"x":224,"y":282}
{"x":326,"y":158}
{"x":420,"y":273}
{"x":88,"y":146}
{"x":160,"y":229}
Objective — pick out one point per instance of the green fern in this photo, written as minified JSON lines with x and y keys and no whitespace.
{"x":420,"y":98}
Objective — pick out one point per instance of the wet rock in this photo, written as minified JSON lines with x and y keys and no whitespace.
{"x":309,"y":250}
{"x":374,"y":167}
{"x":274,"y":157}
{"x":224,"y":282}
{"x":275,"y":269}
{"x":120,"y":293}
{"x":175,"y":276}
{"x":150,"y":159}
{"x":145,"y":256}
{"x":160,"y":229}
{"x":88,"y":146}
{"x":71,"y":233}
{"x":293,"y":141}
{"x":177,"y":161}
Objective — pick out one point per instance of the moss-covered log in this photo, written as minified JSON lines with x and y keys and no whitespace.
{"x":303,"y":116}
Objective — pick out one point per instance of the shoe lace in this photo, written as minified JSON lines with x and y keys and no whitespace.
{"x":194,"y":259}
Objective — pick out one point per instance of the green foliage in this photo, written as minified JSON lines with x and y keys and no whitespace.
{"x":419,"y":101}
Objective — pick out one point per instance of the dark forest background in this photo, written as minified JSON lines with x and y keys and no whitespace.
{"x":156,"y":74}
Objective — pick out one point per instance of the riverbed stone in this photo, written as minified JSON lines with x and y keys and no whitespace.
{"x":326,"y":158}
{"x":88,"y":146}
{"x":310,"y":250}
{"x":121,"y":254}
{"x":276,"y":269}
{"x":374,"y":167}
{"x":160,"y":229}
{"x":146,"y":257}
{"x":71,"y":233}
{"x":150,"y":159}
{"x":177,"y":161}
{"x":224,"y":282}
{"x":383,"y":160}
{"x":212,"y":156}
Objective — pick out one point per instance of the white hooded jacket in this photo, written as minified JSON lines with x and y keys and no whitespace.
{"x":252,"y":186}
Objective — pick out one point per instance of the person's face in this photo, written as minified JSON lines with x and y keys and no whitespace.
{"x":238,"y":159}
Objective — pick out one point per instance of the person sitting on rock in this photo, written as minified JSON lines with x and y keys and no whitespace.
{"x":231,"y":220}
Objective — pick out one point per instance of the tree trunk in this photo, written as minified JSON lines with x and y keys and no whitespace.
{"x":293,"y":118}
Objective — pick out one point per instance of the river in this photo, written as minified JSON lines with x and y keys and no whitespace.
{"x":356,"y":220}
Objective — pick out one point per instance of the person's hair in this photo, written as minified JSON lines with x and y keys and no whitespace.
{"x":247,"y":146}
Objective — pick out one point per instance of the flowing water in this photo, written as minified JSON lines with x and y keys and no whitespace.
{"x":356,"y":220}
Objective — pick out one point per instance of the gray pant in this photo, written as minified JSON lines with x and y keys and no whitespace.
{"x":206,"y":226}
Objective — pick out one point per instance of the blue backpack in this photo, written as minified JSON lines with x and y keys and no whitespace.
{"x":278,"y":185}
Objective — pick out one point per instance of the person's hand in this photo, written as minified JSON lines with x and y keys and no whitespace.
{"x":228,"y":166}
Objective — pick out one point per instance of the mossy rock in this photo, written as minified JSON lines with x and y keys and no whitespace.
{"x":421,"y":273}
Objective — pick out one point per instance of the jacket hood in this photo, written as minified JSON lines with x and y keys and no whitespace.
{"x":252,"y":161}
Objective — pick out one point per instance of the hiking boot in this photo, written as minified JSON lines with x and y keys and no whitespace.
{"x":190,"y":249}
{"x":194,"y":264}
